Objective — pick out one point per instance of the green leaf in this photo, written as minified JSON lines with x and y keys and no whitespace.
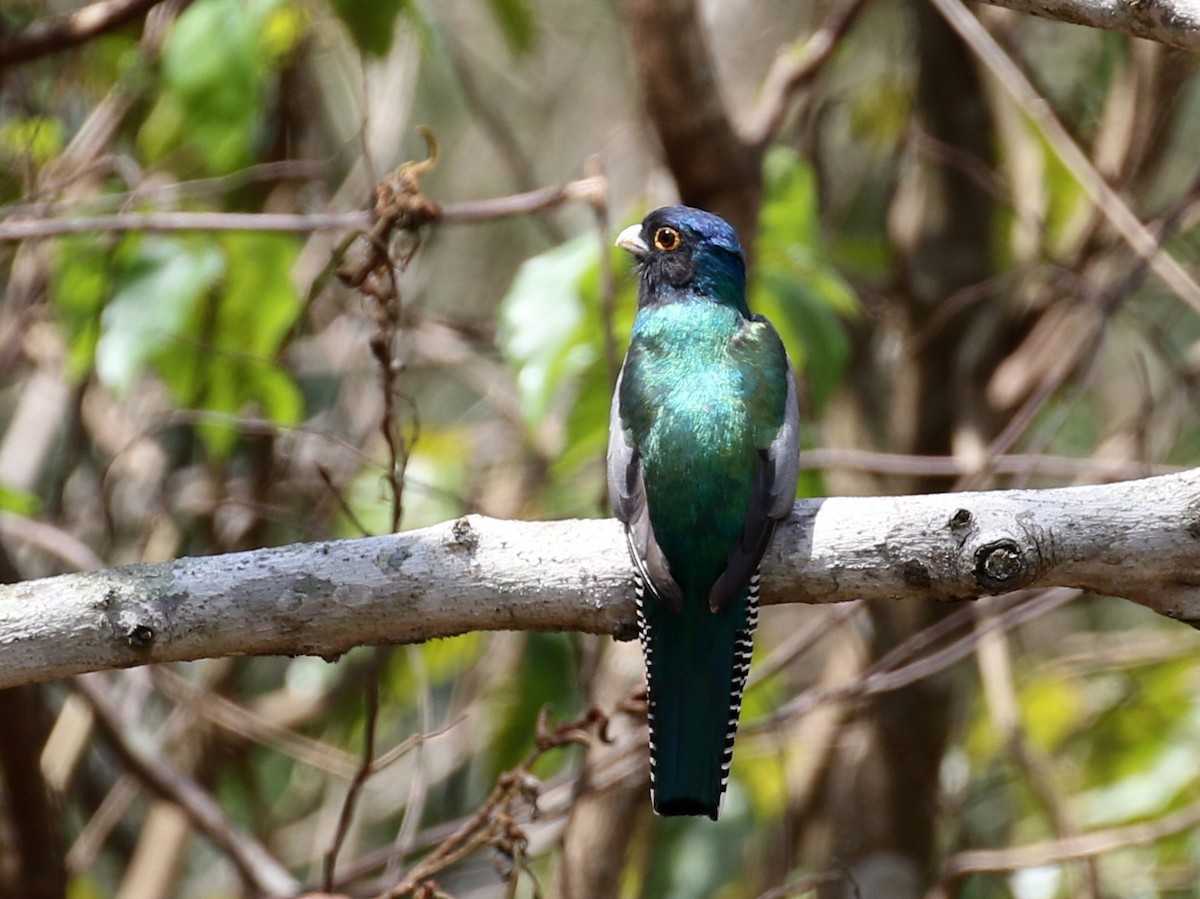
{"x":261,"y":302}
{"x":797,"y":287}
{"x":1052,"y":708}
{"x":82,"y":277}
{"x":282,"y":31}
{"x":547,"y":676}
{"x":1144,"y":794}
{"x":1068,"y":209}
{"x":587,"y":419}
{"x":214,"y":70}
{"x":539,"y":321}
{"x":38,"y":138}
{"x":810,"y":328}
{"x":21,"y":502}
{"x":154,"y":296}
{"x":228,"y":358}
{"x":880,"y":110}
{"x":515,"y":18}
{"x":208,"y":315}
{"x":371,"y":23}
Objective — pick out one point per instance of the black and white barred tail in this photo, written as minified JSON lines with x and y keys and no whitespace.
{"x":743,"y":650}
{"x":739,"y":670}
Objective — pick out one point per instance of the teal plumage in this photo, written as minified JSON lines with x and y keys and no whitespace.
{"x":702,"y":463}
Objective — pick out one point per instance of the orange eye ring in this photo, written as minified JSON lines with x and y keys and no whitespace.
{"x":666,"y":239}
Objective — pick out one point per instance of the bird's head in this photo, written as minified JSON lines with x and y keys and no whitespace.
{"x":687,"y":253}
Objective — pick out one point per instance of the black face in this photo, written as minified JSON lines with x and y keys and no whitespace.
{"x":671,"y":250}
{"x":690,"y":247}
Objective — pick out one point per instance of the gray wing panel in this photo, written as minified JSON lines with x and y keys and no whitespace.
{"x":627,"y":496}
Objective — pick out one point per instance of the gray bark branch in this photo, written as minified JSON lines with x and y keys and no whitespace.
{"x":1172,"y":22}
{"x":1137,"y":539}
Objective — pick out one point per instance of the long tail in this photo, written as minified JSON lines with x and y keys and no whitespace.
{"x":696,"y":668}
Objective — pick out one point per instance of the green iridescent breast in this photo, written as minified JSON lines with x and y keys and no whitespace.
{"x":703,"y":394}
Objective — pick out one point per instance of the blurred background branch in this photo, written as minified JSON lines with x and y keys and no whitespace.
{"x":55,"y":34}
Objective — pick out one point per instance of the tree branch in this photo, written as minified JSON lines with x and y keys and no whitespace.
{"x":55,"y":33}
{"x":1084,"y":845}
{"x":793,"y":67}
{"x":466,"y":212}
{"x":253,"y":862}
{"x":1135,"y":539}
{"x":713,"y":167}
{"x":1106,"y":199}
{"x":1172,"y":22}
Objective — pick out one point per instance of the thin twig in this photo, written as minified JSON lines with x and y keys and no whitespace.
{"x":150,"y":194}
{"x":934,"y":663}
{"x":793,"y":68}
{"x":494,"y":823}
{"x":53,"y":34}
{"x":1088,"y":345}
{"x":1050,"y":852}
{"x":495,"y":125}
{"x":1103,"y":196}
{"x":249,"y":725}
{"x":51,"y":539}
{"x":806,"y":885}
{"x":340,"y":501}
{"x":993,"y":657}
{"x":1045,"y":465}
{"x":261,"y":870}
{"x":882,"y":678}
{"x":95,"y":832}
{"x":32,"y":229}
{"x":467,"y":212}
{"x":418,"y":791}
{"x":365,"y":769}
{"x":802,"y":641}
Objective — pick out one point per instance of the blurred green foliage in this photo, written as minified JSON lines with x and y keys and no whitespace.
{"x":216,"y":64}
{"x":515,"y":18}
{"x":795,"y":285}
{"x":37,"y":139}
{"x":208,"y":315}
{"x":372,"y":26}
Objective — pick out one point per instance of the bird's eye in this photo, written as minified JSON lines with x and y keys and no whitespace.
{"x":666,"y":239}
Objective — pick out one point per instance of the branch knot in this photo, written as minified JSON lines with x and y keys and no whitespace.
{"x":1000,"y":566}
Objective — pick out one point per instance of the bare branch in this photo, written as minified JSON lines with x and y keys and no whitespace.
{"x":253,"y":862}
{"x":1024,"y":464}
{"x":1172,"y":22}
{"x":1113,"y":206}
{"x":15,"y":229}
{"x":56,"y":33}
{"x":365,"y":768}
{"x":1084,"y":845}
{"x":36,"y":228}
{"x":1136,"y":539}
{"x":713,"y":167}
{"x":887,"y":674}
{"x":792,"y":69}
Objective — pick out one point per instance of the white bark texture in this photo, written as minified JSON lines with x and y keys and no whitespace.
{"x":1136,"y":539}
{"x":1172,"y":22}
